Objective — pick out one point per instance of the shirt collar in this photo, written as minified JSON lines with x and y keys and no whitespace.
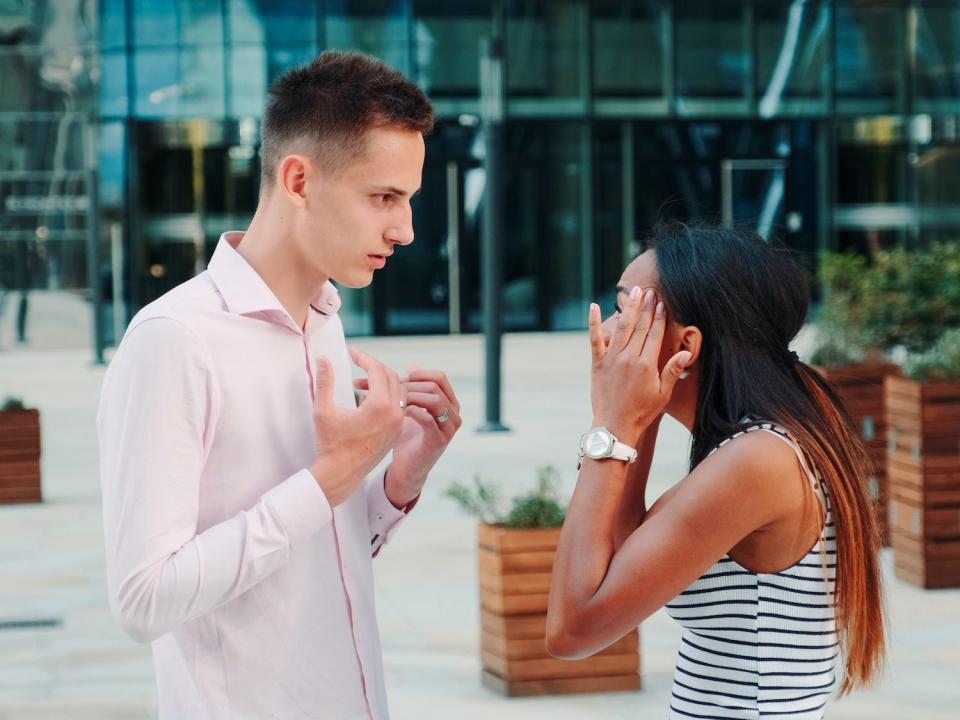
{"x":245,"y":292}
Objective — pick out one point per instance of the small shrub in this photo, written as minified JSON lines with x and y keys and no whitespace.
{"x":940,"y":363}
{"x":12,"y":403}
{"x":540,"y":508}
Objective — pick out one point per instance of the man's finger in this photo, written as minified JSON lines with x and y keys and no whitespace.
{"x":440,"y":378}
{"x":324,"y":382}
{"x":378,"y":381}
{"x":594,"y":322}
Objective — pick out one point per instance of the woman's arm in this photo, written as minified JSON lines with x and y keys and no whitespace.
{"x":598,"y":592}
{"x":633,"y":503}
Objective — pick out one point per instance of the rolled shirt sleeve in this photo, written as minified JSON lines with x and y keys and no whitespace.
{"x":156,"y":418}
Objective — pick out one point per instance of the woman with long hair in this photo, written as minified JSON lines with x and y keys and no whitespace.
{"x":766,"y":552}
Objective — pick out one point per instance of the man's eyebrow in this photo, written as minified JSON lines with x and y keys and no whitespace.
{"x":395,"y":191}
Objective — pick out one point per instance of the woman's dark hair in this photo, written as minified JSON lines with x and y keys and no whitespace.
{"x":749,"y":298}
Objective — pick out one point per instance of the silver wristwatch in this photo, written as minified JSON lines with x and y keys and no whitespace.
{"x":600,"y":444}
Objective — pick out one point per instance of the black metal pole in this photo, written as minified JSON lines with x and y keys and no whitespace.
{"x":492,"y":104}
{"x":94,"y":275}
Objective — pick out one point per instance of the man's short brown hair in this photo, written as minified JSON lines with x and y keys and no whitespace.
{"x":331,"y":103}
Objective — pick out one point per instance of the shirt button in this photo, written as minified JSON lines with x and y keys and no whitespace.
{"x":379,"y":517}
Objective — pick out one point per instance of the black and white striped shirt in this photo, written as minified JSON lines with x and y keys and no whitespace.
{"x":759,"y":645}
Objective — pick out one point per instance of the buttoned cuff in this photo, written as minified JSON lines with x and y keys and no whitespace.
{"x":383,"y":516}
{"x":301,"y":505}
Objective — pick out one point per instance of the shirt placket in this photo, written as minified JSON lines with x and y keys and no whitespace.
{"x":336,"y":540}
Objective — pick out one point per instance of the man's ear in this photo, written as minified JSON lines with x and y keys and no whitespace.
{"x":292,"y":179}
{"x":691,"y":340}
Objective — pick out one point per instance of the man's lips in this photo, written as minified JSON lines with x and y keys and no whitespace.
{"x":377,"y":261}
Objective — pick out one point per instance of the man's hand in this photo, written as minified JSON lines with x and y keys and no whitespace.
{"x":351,"y":443}
{"x":432,"y":419}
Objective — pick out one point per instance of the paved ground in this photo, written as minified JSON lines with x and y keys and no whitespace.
{"x":51,"y":560}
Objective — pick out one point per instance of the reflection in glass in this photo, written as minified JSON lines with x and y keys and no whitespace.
{"x":712,"y":56}
{"x":868,"y":56}
{"x":938,"y":190}
{"x":174,"y":22}
{"x":627,"y":58}
{"x":938,"y":55}
{"x":187,"y":82}
{"x":543,"y":48}
{"x":446,"y":45}
{"x":287,"y":21}
{"x":792,"y":47}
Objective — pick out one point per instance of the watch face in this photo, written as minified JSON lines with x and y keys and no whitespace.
{"x":599,"y":444}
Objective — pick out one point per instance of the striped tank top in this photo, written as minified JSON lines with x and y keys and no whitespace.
{"x":759,"y":645}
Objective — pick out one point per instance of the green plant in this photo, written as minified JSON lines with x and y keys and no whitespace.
{"x":939,"y":363}
{"x":540,"y":508}
{"x":12,"y":403}
{"x":911,"y":297}
{"x":841,"y":329}
{"x":899,"y":298}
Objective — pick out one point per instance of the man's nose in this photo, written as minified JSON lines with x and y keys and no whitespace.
{"x":401,"y":232}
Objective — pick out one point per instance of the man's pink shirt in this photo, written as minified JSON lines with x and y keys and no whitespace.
{"x":222,"y":550}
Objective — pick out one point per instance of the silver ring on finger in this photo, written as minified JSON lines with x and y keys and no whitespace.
{"x":403,"y":404}
{"x":444,"y":416}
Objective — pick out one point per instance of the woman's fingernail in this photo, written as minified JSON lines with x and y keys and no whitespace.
{"x":634,"y":293}
{"x":659,"y":308}
{"x":649,"y":297}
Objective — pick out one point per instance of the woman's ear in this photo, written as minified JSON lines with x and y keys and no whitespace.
{"x":691,"y":340}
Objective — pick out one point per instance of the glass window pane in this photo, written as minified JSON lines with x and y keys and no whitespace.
{"x":446,"y":45}
{"x":201,"y":22}
{"x":627,"y":58}
{"x":792,"y":45}
{"x":113,"y":23}
{"x":113,"y":83}
{"x":248,"y":87}
{"x":172,"y":84}
{"x":869,"y":51}
{"x":382,"y":29}
{"x":280,"y":59}
{"x":543,"y":49}
{"x":182,"y":21}
{"x":287,"y":21}
{"x":937,"y":79}
{"x":712,"y":57}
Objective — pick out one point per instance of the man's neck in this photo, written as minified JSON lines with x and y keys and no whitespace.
{"x":275,"y":261}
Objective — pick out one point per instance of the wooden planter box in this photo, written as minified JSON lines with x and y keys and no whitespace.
{"x":924,"y":472}
{"x":19,"y":456}
{"x":862,"y":389}
{"x":515,"y":567}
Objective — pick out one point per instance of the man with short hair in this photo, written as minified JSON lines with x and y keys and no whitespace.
{"x":240,"y":520}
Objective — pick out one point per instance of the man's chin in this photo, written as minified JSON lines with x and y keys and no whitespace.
{"x":356,"y":280}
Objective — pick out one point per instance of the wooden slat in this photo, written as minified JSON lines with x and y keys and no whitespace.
{"x":531,"y":648}
{"x":553,"y":669}
{"x":528,"y":688}
{"x":494,"y":562}
{"x":513,"y":604}
{"x":517,"y":626}
{"x":516,"y":583}
{"x":505,"y":540}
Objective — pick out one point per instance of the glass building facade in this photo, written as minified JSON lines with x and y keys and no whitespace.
{"x":130,"y":137}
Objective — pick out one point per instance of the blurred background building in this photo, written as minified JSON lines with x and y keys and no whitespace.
{"x":129,"y":140}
